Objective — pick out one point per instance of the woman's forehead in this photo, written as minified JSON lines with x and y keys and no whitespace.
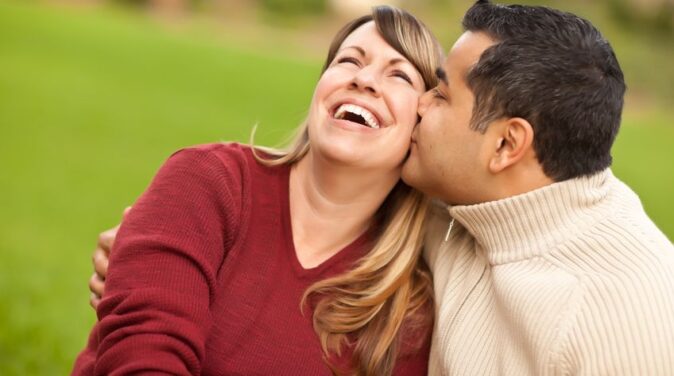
{"x":363,"y":33}
{"x":367,"y":39}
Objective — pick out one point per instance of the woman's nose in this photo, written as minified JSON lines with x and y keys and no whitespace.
{"x":368,"y":80}
{"x":424,"y":101}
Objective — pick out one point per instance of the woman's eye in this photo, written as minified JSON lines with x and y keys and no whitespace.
{"x":403,"y":75}
{"x":348,"y":60}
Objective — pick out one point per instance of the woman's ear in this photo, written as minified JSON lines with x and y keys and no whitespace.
{"x":514,"y":138}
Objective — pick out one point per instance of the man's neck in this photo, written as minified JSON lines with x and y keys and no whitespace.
{"x":523,"y":182}
{"x":525,"y":177}
{"x":529,"y":224}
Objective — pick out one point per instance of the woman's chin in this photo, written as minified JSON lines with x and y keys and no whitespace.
{"x":342,"y":155}
{"x":360,"y":158}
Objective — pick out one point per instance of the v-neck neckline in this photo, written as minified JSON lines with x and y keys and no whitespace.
{"x":351,"y":252}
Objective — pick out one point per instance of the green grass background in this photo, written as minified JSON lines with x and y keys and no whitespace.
{"x":90,"y":106}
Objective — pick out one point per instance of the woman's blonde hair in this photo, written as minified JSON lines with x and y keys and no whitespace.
{"x":390,"y":287}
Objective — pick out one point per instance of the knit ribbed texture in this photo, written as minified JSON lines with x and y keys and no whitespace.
{"x":204,"y":278}
{"x":572,"y":278}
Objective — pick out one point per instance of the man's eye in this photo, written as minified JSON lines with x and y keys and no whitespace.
{"x":437,"y":94}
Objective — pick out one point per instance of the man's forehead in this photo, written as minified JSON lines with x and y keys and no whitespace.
{"x":466,"y":52}
{"x":473,"y":42}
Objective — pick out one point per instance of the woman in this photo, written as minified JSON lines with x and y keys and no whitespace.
{"x":305,"y":261}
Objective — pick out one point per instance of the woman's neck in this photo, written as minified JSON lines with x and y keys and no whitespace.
{"x":332,"y":205}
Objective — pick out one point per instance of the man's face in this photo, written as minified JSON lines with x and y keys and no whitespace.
{"x":448,"y":160}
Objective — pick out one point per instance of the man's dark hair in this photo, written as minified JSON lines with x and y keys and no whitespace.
{"x":555,"y":70}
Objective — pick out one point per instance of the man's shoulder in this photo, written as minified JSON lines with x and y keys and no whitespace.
{"x":622,"y":256}
{"x":629,"y":231}
{"x":624,"y":246}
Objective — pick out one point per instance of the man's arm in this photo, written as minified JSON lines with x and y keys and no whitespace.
{"x":625,"y":326}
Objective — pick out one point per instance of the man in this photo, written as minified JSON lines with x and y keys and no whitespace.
{"x":547,"y":263}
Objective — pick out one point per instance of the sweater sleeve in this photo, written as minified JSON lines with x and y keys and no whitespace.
{"x":155,"y":315}
{"x":623,"y":328}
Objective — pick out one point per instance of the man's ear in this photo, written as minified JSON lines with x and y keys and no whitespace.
{"x":514,"y":138}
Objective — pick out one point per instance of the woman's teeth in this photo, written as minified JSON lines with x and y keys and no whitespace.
{"x":356,"y":114}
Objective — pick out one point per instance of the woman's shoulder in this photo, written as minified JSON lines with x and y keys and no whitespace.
{"x":231,"y":160}
{"x":229,"y":154}
{"x":227,"y":166}
{"x":225,"y":152}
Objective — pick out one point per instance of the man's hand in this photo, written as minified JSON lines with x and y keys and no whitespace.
{"x":106,"y":239}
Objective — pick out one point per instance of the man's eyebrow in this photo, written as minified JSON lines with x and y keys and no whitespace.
{"x":441,"y":75}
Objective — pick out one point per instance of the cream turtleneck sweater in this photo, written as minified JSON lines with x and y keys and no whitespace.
{"x":572,"y":278}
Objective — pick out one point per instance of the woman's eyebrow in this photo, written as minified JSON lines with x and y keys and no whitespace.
{"x":360,"y":50}
{"x":399,"y":60}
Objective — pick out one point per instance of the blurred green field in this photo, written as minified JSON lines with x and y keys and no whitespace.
{"x":90,"y":106}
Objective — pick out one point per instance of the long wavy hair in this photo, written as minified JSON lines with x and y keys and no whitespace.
{"x":390,"y":287}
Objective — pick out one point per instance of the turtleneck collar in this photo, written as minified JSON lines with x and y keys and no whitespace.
{"x":530,"y":224}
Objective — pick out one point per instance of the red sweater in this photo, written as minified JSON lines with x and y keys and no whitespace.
{"x":204,"y":279}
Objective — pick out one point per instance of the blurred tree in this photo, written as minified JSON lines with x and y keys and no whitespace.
{"x":167,"y":7}
{"x":294,"y":7}
{"x":353,"y":8}
{"x":647,"y":15}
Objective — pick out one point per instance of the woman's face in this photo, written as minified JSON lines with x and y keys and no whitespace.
{"x":365,"y":104}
